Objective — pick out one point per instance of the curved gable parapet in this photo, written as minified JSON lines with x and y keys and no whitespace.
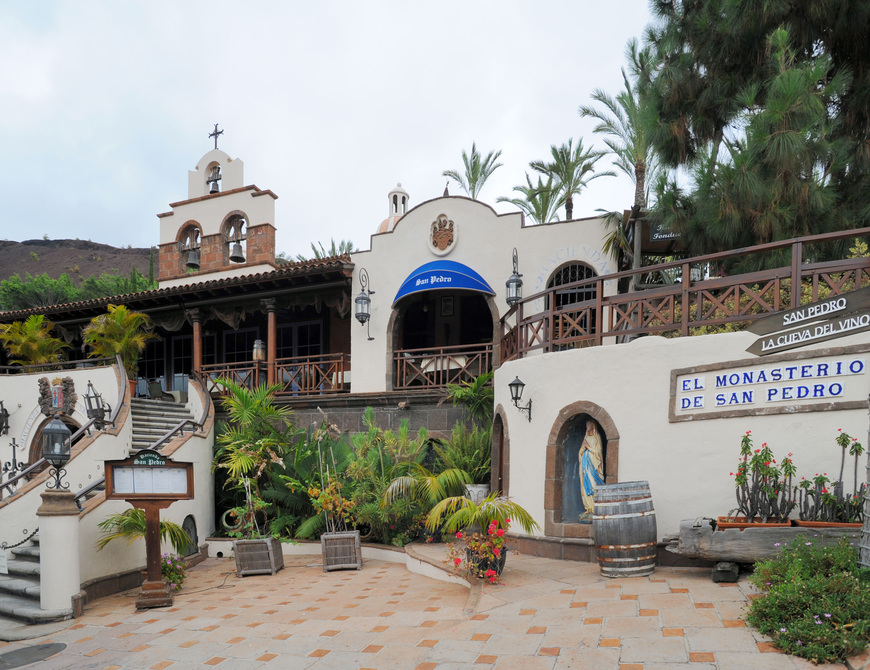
{"x":232,"y":173}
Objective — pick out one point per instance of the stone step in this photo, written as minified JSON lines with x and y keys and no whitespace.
{"x":23,"y":568}
{"x":27,"y":610}
{"x":27,"y":553}
{"x":27,"y":588}
{"x":151,"y":403}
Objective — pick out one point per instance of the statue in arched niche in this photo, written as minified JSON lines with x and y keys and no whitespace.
{"x":590,"y":468}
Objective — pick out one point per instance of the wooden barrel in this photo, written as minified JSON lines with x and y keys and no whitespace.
{"x":624,"y":524}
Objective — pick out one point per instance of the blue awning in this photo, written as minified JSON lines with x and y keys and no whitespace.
{"x":442,"y":274}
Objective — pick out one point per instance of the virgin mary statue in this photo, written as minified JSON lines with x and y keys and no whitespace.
{"x":591,"y":465}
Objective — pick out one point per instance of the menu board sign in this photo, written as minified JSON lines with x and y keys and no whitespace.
{"x":148,"y":475}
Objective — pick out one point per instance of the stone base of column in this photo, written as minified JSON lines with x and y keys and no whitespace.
{"x":154,"y":594}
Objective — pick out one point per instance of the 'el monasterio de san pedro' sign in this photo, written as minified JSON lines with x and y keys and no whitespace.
{"x":808,"y":381}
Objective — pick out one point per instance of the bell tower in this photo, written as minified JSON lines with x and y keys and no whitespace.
{"x":223,"y":229}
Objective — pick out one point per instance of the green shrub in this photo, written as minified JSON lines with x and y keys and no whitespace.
{"x":817,"y":604}
{"x":469,"y":451}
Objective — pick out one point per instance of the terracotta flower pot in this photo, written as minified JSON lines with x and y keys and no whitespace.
{"x":724,"y":522}
{"x":827,"y":524}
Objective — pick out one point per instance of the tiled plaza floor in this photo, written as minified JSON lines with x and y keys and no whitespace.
{"x":547,"y":614}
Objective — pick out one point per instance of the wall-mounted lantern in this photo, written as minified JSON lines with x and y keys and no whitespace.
{"x":364,"y":302}
{"x":4,"y":419}
{"x":56,"y":447}
{"x":516,"y":387}
{"x":514,"y":284}
{"x":95,"y":407}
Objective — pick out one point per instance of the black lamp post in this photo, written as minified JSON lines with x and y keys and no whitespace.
{"x":364,"y":302}
{"x":96,"y":408}
{"x":56,"y":450}
{"x":514,"y":284}
{"x":516,"y":387}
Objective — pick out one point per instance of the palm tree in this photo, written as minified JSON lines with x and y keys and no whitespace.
{"x":343,"y":247}
{"x":119,"y":332}
{"x":477,"y":171}
{"x":622,"y":121}
{"x":570,"y":167}
{"x":30,"y":341}
{"x":539,"y":202}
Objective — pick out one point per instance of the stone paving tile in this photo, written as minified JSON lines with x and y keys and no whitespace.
{"x":666,"y":649}
{"x":631,"y":626}
{"x":549,"y":614}
{"x":720,"y":639}
{"x":683,"y":618}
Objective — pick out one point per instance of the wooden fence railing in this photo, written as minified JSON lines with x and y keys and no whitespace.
{"x":686,"y":306}
{"x":298,"y":376}
{"x":437,"y":367}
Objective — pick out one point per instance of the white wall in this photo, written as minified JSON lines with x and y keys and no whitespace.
{"x":484,"y":241}
{"x":687,"y":463}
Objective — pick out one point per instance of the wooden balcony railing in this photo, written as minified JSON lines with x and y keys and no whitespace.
{"x":435,"y":368}
{"x":686,"y":306}
{"x":298,"y":376}
{"x":313,"y":375}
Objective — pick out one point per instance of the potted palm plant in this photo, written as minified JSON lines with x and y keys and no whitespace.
{"x":256,"y":437}
{"x":481,"y":526}
{"x":30,"y":342}
{"x":470,"y":451}
{"x":119,"y":332}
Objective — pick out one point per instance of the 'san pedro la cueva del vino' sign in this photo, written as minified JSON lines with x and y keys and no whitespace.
{"x":824,"y":320}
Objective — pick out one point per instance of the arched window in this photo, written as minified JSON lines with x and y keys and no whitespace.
{"x":573,"y":326}
{"x":568,"y":274}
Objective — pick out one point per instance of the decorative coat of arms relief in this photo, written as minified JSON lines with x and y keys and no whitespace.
{"x":442,"y":232}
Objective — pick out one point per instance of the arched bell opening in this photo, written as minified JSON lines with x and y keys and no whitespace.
{"x":442,"y":336}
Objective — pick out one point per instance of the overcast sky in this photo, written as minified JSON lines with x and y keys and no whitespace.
{"x":107,"y":105}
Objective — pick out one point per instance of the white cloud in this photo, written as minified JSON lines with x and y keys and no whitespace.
{"x":107,"y":105}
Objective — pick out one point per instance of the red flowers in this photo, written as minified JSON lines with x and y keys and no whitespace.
{"x":457,"y":561}
{"x":459,"y":535}
{"x":500,"y":532}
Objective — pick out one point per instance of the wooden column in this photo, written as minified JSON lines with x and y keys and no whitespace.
{"x":271,"y":339}
{"x":195,"y":317}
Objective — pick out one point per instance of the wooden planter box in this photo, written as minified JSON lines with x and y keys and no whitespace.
{"x":258,"y":557}
{"x":341,"y":551}
{"x":697,"y":539}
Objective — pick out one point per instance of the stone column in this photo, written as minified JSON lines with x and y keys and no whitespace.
{"x":271,"y":339}
{"x":60,"y":575}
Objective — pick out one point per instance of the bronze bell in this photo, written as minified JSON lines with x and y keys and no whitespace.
{"x":236,"y":255}
{"x":193,"y":260}
{"x":214,"y":188}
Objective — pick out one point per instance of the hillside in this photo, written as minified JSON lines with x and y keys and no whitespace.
{"x":77,"y":258}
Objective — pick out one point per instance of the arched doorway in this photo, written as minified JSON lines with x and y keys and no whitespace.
{"x":500,"y":456}
{"x":441,"y":336}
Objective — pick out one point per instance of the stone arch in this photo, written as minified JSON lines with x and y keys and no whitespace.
{"x":189,"y":239}
{"x":554,"y":525}
{"x":35,"y":451}
{"x":234,"y":229}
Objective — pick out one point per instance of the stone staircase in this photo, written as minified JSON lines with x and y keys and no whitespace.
{"x":152,"y":419}
{"x":20,"y":614}
{"x":19,"y":592}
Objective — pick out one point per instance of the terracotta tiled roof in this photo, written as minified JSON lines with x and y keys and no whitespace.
{"x":310,"y":274}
